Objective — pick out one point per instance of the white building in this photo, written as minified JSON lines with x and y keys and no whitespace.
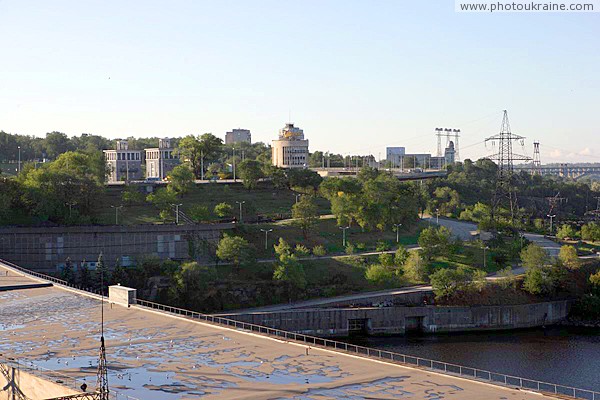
{"x":123,"y":164}
{"x":291,"y":149}
{"x":238,"y":136}
{"x":160,"y":161}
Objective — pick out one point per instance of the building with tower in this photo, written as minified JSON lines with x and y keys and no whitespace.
{"x":238,"y":136}
{"x":160,"y":161}
{"x":123,"y":164}
{"x":291,"y":149}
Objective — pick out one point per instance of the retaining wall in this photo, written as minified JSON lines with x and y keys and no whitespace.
{"x":46,"y":249}
{"x":398,"y":320}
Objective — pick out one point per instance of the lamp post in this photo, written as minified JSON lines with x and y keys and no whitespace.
{"x":551,"y":220}
{"x":19,"y":165}
{"x":297,"y":195}
{"x":266,"y":231}
{"x":343,"y":228}
{"x":397,"y":226}
{"x":484,"y":257}
{"x":240,"y":203}
{"x":522,"y":235}
{"x":437,"y":216}
{"x":176,"y":212}
{"x":116,"y":213}
{"x":233,"y":158}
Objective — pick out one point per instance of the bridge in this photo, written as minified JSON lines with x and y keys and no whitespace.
{"x":157,"y":351}
{"x":564,"y":170}
{"x":415,"y":174}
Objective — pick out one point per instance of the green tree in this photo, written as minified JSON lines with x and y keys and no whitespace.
{"x":223,"y":210}
{"x":306,"y":214}
{"x":304,"y":180}
{"x":533,"y":256}
{"x":181,"y":180}
{"x":118,"y":275}
{"x":479,"y":279}
{"x":301,"y":250}
{"x":507,"y":278}
{"x":401,"y":255}
{"x":434,"y":241}
{"x":190,"y":149}
{"x":568,"y":257}
{"x":591,"y":231}
{"x":381,"y":275}
{"x":445,"y":200}
{"x":84,"y":276}
{"x":291,"y":271}
{"x":415,"y":268}
{"x":132,"y":195}
{"x":162,"y":199}
{"x":319,"y":250}
{"x":192,"y":282}
{"x":566,"y":231}
{"x":446,"y":281}
{"x":250,"y":172}
{"x":538,"y":280}
{"x":199,"y":213}
{"x":595,"y":280}
{"x":56,"y":143}
{"x":67,"y":272}
{"x":236,"y":250}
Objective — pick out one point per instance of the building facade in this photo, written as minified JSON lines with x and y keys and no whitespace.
{"x":291,"y":149}
{"x":238,"y":136}
{"x":123,"y":164}
{"x":160,"y":161}
{"x":449,"y":157}
{"x":393,"y":154}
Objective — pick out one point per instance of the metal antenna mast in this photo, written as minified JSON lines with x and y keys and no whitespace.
{"x":102,"y":374}
{"x":537,"y":164}
{"x":505,"y":194}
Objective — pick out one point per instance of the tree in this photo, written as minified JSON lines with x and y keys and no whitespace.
{"x":591,"y":231}
{"x":319,"y":250}
{"x":415,"y":267}
{"x":181,"y":179}
{"x":434,"y":241}
{"x":380,"y":275}
{"x":445,"y":200}
{"x":533,"y":256}
{"x":199,"y":213}
{"x":192,"y":281}
{"x":304,"y":180}
{"x":595,"y":280}
{"x":118,"y":275}
{"x":291,"y":271}
{"x":282,"y":248}
{"x":223,"y":210}
{"x":56,"y":144}
{"x":305,"y":213}
{"x":479,"y":279}
{"x":446,"y":281}
{"x":162,"y":199}
{"x":84,"y":275}
{"x":190,"y":150}
{"x":566,"y":232}
{"x":250,"y":172}
{"x":234,"y":249}
{"x":401,"y":256}
{"x":67,"y":272}
{"x":568,"y":257}
{"x":538,"y":280}
{"x":507,"y":278}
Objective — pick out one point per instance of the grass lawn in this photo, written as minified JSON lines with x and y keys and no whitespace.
{"x":264,"y":200}
{"x":325,"y":233}
{"x":470,"y":255}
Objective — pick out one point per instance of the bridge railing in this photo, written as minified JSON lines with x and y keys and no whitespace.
{"x":383,"y":355}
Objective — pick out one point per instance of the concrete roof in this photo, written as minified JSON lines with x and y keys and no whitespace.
{"x":152,"y":355}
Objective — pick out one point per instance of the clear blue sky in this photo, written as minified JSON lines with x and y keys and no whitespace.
{"x":356,"y":75}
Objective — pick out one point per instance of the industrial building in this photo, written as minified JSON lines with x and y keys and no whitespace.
{"x":291,"y":149}
{"x":123,"y":164}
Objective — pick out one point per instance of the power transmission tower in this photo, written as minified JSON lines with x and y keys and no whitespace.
{"x":448,"y":133}
{"x":537,"y":164}
{"x":102,"y":374}
{"x":505,"y":194}
{"x":554,"y":201}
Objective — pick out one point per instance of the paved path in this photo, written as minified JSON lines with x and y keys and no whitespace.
{"x":461,"y":229}
{"x":551,"y":247}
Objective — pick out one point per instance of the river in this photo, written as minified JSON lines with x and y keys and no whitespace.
{"x":566,"y":356}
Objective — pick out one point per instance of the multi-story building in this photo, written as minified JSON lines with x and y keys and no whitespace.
{"x":123,"y":164}
{"x":393,"y":154}
{"x":160,"y":161}
{"x":449,"y":157}
{"x":238,"y":136}
{"x":291,"y":149}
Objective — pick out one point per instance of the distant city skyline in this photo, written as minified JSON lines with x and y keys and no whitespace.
{"x":356,"y":76}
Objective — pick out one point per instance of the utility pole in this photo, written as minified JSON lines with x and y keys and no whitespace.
{"x":266,"y":231}
{"x":551,"y":216}
{"x":234,"y":164}
{"x":116,"y":213}
{"x":505,"y":194}
{"x":176,"y":212}
{"x":397,"y":226}
{"x":343,"y":228}
{"x":240,"y":203}
{"x":537,"y":164}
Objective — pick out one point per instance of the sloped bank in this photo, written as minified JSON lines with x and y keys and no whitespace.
{"x":329,"y":322}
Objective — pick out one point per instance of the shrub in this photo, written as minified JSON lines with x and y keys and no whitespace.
{"x":383,"y":245}
{"x":380,"y":274}
{"x":301,"y":250}
{"x":319,"y":250}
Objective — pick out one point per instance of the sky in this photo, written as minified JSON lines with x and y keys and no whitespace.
{"x":357,"y":76}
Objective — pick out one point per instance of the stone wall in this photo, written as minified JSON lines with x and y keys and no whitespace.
{"x":397,"y":320}
{"x":46,"y":249}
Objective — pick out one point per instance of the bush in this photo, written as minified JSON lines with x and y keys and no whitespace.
{"x":566,"y":232}
{"x":568,"y":257}
{"x":199,"y":213}
{"x":507,"y":278}
{"x":319,"y":250}
{"x":383,"y":245}
{"x":301,"y":250}
{"x":223,"y":210}
{"x":591,"y":232}
{"x":446,"y":281}
{"x":380,"y":274}
{"x":350,"y":248}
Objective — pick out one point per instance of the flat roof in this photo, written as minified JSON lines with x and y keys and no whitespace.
{"x":153,"y":355}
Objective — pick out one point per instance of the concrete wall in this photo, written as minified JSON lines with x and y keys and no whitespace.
{"x":394,"y":320}
{"x":122,"y":295}
{"x":35,"y":388}
{"x":46,"y":249}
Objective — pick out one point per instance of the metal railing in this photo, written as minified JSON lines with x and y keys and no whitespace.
{"x":58,"y":377}
{"x":382,"y":355}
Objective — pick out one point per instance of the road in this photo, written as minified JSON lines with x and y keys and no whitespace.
{"x":551,"y":247}
{"x":461,"y":229}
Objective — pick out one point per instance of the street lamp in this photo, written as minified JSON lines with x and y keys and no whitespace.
{"x":176,"y":212}
{"x":397,"y":226}
{"x":116,"y":213}
{"x":233,"y":158}
{"x":297,"y":195}
{"x":437,"y":216}
{"x":266,"y":231}
{"x":240,"y":203}
{"x":19,"y":147}
{"x":484,"y":257}
{"x":551,"y":220}
{"x":343,"y":228}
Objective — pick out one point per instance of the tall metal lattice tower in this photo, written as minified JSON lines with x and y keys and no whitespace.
{"x":102,"y":373}
{"x":448,"y":133}
{"x":505,"y":195}
{"x":537,"y":163}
